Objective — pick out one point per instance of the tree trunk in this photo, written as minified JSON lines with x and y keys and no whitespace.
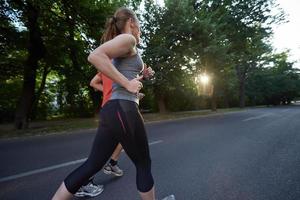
{"x":36,"y":51}
{"x":213,"y":99}
{"x":74,"y":70}
{"x":39,"y":92}
{"x":226,"y":101}
{"x":242,"y":92}
{"x":161,"y":104}
{"x":241,"y":73}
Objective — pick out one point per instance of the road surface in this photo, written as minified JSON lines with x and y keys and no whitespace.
{"x":246,"y":155}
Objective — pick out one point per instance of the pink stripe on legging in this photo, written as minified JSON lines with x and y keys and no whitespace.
{"x":120,"y":118}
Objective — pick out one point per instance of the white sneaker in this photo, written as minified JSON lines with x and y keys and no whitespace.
{"x":115,"y":170}
{"x":89,"y":190}
{"x":171,"y":197}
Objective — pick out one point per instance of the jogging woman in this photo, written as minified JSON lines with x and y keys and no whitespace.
{"x":102,"y":84}
{"x":121,"y":121}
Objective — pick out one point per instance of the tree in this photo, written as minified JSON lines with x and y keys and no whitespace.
{"x":275,"y":83}
{"x":210,"y":43}
{"x":30,"y":13}
{"x":59,"y":36}
{"x":12,"y":56}
{"x":166,"y":35}
{"x":248,"y":30}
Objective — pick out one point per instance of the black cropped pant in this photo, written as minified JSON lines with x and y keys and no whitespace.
{"x":120,"y":122}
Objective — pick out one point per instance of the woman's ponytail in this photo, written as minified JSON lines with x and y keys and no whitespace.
{"x":116,"y":24}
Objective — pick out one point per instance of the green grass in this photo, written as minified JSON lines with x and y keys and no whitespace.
{"x":49,"y":127}
{"x":186,"y":114}
{"x":61,"y":126}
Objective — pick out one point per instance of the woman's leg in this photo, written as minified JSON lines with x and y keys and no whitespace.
{"x":150,"y":195}
{"x":62,"y":193}
{"x":135,"y":143}
{"x":103,"y":146}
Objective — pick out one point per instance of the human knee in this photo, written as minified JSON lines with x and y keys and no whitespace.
{"x":144,"y":176}
{"x":144,"y":163}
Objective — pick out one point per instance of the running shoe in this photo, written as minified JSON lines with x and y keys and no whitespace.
{"x":89,"y":190}
{"x":171,"y":197}
{"x":115,"y":170}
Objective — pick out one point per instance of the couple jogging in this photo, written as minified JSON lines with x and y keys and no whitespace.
{"x":121,"y":122}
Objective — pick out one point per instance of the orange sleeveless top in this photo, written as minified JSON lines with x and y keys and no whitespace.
{"x":107,"y":88}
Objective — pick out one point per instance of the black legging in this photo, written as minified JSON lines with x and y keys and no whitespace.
{"x":120,"y":122}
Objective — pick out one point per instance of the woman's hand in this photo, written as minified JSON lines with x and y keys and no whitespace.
{"x":121,"y":46}
{"x":148,"y":72}
{"x":135,"y":85}
{"x":141,"y":95}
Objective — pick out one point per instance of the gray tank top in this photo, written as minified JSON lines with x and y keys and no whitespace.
{"x":130,"y":67}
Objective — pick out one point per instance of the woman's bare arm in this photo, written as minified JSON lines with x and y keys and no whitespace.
{"x":121,"y":46}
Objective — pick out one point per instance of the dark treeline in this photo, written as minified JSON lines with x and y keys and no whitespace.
{"x":45,"y":44}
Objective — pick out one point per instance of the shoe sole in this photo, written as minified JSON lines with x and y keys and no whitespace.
{"x":111,"y":172}
{"x":85,"y":194}
{"x":170,"y":197}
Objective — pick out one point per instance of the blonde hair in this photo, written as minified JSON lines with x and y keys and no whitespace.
{"x":116,"y":24}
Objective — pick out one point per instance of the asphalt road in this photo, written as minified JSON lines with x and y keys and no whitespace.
{"x":247,"y":155}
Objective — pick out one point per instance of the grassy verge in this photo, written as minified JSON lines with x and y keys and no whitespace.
{"x":152,"y":117}
{"x":68,"y":125}
{"x":48,"y":127}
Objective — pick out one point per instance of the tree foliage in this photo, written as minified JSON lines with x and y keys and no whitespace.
{"x":44,"y":46}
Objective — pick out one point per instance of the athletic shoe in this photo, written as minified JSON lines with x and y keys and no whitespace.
{"x":89,"y":190}
{"x":115,"y":170}
{"x":171,"y":197}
